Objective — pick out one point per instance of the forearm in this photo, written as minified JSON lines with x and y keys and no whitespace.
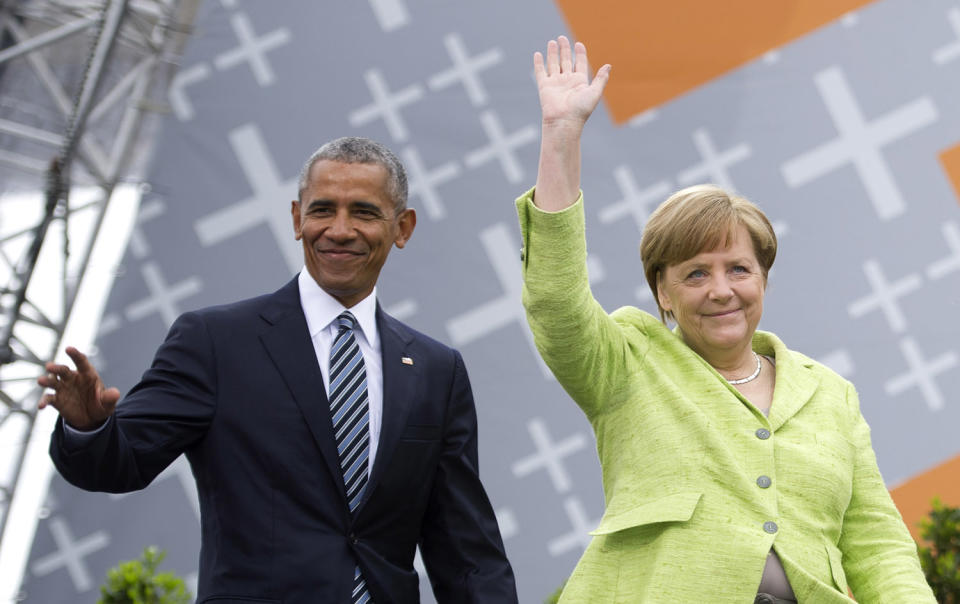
{"x":558,"y":174}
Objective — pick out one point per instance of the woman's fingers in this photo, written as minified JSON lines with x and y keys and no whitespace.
{"x":553,"y":58}
{"x":566,"y":57}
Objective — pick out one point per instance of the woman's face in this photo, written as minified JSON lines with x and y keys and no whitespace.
{"x":716,"y":297}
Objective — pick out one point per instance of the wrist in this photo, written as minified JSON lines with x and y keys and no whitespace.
{"x":562,"y":126}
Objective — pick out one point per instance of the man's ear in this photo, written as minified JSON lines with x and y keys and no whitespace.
{"x":295,"y":212}
{"x":406,"y":222}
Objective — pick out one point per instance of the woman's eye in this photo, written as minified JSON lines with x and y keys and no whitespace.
{"x":740,"y":269}
{"x":697,"y":274}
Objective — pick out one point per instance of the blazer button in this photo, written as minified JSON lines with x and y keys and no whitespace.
{"x":770,"y":527}
{"x":763,"y":434}
{"x":763,"y":482}
{"x":353,"y":538}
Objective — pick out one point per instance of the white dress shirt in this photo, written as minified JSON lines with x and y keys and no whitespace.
{"x":321,"y":310}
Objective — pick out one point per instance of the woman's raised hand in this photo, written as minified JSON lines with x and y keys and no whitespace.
{"x":567,"y":96}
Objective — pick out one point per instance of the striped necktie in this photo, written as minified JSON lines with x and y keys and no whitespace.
{"x":350,"y":414}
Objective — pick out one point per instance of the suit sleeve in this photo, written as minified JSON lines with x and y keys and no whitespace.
{"x":161,"y":417}
{"x":879,"y":555}
{"x":460,"y":540}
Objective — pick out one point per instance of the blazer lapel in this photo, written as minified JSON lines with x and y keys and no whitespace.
{"x":796,"y":380}
{"x":400,"y":379}
{"x":288,"y":343}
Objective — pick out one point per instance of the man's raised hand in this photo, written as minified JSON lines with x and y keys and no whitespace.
{"x":567,"y":96}
{"x":79,"y":395}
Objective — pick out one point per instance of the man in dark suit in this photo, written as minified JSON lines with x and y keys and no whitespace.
{"x":327,"y":439}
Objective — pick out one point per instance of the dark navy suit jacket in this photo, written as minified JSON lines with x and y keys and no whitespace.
{"x":238,"y":389}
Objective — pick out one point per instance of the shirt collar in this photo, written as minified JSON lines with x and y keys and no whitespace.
{"x":321,"y":309}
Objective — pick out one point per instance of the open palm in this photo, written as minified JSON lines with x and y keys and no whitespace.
{"x":563,"y":81}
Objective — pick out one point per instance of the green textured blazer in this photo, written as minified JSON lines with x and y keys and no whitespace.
{"x":690,"y":515}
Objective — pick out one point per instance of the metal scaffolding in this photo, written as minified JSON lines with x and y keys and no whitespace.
{"x":82,"y":85}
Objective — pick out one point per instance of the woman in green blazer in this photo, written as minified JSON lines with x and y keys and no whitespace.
{"x":734,"y":469}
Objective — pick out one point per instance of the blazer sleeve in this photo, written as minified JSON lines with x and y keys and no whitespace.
{"x":460,"y":540}
{"x":583,"y":345}
{"x":164,"y":414}
{"x":879,"y":555}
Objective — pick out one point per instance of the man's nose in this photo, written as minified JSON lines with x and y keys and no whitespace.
{"x":341,"y":226}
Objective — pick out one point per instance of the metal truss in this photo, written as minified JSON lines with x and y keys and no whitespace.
{"x":82,"y":84}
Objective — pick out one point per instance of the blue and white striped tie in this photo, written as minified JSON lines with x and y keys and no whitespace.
{"x":349,"y":410}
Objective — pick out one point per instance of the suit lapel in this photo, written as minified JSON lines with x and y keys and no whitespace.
{"x":400,"y":381}
{"x":288,"y":343}
{"x":796,"y":380}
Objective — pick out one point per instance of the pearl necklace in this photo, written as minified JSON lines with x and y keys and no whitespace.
{"x":750,"y":377}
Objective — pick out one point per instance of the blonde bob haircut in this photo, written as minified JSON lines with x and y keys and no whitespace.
{"x":699,"y":218}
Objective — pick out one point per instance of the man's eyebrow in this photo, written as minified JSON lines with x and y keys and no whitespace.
{"x":354,"y":205}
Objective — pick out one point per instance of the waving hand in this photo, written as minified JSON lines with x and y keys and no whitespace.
{"x":567,"y":98}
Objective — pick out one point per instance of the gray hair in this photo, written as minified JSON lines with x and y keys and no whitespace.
{"x":359,"y":150}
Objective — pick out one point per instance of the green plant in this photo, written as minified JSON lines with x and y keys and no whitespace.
{"x":941,"y":561}
{"x":138,"y":582}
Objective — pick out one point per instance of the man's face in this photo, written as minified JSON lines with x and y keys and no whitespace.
{"x":347,"y":223}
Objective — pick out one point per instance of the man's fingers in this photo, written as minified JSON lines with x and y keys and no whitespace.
{"x":109,"y":399}
{"x":79,"y":359}
{"x":47,"y":399}
{"x":48,"y":380}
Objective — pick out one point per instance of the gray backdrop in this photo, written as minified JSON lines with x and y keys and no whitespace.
{"x":836,"y":136}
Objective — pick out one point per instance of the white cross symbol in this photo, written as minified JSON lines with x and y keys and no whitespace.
{"x":507,"y":521}
{"x":385,"y":105}
{"x":952,"y":50}
{"x":884,"y":296}
{"x":635,"y":201}
{"x":162,"y":298}
{"x":138,"y":241}
{"x":508,"y":308}
{"x":501,"y":146}
{"x":424,"y":181}
{"x":251,"y":49}
{"x":70,"y":554}
{"x":644,"y":118}
{"x":549,"y":456}
{"x":180,"y":469}
{"x":390,"y":14}
{"x":265,"y":205}
{"x":714,"y":166}
{"x":922,"y":373}
{"x":182,"y":107}
{"x":502,"y":253}
{"x":579,"y":536}
{"x":465,"y":69}
{"x":860,"y":143}
{"x":402,"y":310}
{"x":840,"y":361}
{"x":942,"y":267}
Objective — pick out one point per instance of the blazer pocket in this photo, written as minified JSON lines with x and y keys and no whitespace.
{"x":677,"y":507}
{"x":421,"y":432}
{"x":836,"y":567}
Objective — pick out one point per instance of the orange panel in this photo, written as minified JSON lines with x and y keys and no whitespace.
{"x":660,"y":50}
{"x":951,"y":164}
{"x":913,"y":497}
